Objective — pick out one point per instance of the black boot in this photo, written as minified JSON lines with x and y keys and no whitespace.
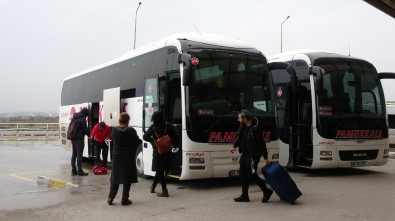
{"x":74,"y":173}
{"x":242,"y":198}
{"x":266,"y":195}
{"x":82,"y":173}
{"x":126,"y":202}
{"x":109,"y":201}
{"x":164,"y":193}
{"x":152,"y":189}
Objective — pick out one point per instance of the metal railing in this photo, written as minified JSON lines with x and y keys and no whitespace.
{"x":29,"y":131}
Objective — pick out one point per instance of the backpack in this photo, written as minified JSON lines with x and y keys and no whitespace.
{"x":72,"y":130}
{"x":163,"y":143}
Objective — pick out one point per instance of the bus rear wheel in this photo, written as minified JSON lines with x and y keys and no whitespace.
{"x":139,"y":161}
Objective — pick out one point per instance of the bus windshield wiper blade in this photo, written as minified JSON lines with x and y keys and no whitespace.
{"x":212,"y":125}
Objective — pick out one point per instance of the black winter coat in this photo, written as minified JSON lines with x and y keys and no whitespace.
{"x":126,"y":142}
{"x":82,"y":127}
{"x":161,"y":162}
{"x":255,"y":141}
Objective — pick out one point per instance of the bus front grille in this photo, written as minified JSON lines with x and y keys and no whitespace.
{"x":356,"y":155}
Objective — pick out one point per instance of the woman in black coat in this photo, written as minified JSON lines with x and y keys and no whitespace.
{"x":126,"y":142}
{"x":160,"y":163}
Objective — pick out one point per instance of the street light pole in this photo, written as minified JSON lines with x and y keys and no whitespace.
{"x":282,"y":33}
{"x":135,"y":25}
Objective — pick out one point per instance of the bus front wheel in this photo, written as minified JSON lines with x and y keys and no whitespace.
{"x":139,"y":161}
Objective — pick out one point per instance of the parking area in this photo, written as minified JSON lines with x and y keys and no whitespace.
{"x":341,"y":194}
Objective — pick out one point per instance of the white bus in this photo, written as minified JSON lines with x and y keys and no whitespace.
{"x":331,"y":111}
{"x":391,"y":124}
{"x":199,"y":81}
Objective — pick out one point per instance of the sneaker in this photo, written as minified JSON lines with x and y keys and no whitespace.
{"x":266,"y":195}
{"x":242,"y":198}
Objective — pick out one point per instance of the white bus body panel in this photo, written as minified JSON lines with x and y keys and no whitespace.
{"x":321,"y":144}
{"x":391,"y":131}
{"x":218,"y":160}
{"x":111,"y":106}
{"x":65,"y":115}
{"x":283,"y":153}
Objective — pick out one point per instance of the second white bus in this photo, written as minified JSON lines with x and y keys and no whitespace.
{"x":331,"y":111}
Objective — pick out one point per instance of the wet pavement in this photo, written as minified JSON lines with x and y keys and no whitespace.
{"x":340,"y":194}
{"x":21,"y":163}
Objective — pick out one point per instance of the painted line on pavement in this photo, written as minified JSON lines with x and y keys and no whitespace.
{"x":20,"y":177}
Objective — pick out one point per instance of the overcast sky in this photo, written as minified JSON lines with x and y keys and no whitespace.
{"x":43,"y":41}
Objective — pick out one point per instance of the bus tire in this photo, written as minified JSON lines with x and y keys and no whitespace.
{"x":139,"y":161}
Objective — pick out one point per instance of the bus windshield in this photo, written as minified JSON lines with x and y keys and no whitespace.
{"x":352,"y":99}
{"x":225,"y":83}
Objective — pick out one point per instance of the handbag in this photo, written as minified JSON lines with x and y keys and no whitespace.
{"x":163,"y":143}
{"x":97,"y":170}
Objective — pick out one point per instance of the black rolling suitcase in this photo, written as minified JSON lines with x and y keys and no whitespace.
{"x":280,"y":181}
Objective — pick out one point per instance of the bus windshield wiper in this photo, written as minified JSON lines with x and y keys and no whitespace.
{"x":217,"y":121}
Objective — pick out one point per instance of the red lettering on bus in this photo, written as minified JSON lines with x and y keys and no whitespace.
{"x":219,"y":137}
{"x":266,"y":136}
{"x":72,"y":112}
{"x":101,"y":112}
{"x":359,"y":134}
{"x":124,"y":105}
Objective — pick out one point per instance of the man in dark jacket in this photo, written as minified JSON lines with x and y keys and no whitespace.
{"x":79,"y":143}
{"x":252,"y":147}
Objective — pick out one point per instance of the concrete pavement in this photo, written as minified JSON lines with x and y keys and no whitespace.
{"x":341,"y":194}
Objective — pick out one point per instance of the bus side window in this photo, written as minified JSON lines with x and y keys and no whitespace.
{"x":128,"y":93}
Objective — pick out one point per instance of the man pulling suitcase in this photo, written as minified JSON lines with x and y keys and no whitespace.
{"x":252,"y":147}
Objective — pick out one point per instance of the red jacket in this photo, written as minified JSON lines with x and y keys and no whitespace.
{"x":99,"y":135}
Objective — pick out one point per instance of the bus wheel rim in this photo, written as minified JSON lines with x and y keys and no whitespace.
{"x":139,"y":162}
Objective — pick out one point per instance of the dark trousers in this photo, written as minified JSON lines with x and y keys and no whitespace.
{"x":246,"y":174}
{"x":78,"y":150}
{"x":114,"y":190}
{"x":160,"y":177}
{"x":99,"y":147}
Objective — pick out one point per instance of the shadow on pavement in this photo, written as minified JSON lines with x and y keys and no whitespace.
{"x":336,"y":172}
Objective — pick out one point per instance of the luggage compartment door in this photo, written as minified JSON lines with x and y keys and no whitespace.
{"x":111,"y":106}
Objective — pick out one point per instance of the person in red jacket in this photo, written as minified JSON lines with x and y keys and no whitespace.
{"x":101,"y":133}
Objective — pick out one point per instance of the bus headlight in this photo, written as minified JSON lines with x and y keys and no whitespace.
{"x":386,"y":153}
{"x":326,"y":153}
{"x":196,"y":161}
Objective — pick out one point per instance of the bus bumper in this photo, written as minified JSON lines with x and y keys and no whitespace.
{"x":349,"y":156}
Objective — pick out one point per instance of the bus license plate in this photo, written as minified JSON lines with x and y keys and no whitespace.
{"x":358,"y":164}
{"x":234,"y":173}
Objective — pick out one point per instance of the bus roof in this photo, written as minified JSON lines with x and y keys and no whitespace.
{"x":311,"y":54}
{"x":205,"y":38}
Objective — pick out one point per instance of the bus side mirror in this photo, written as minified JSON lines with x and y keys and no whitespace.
{"x":187,"y":76}
{"x":185,"y":59}
{"x":318,"y":74}
{"x":386,"y":75}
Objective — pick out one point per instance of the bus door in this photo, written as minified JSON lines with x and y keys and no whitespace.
{"x":171,"y":93}
{"x":285,"y":87}
{"x":151,"y":103}
{"x":111,"y":108}
{"x":93,"y":119}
